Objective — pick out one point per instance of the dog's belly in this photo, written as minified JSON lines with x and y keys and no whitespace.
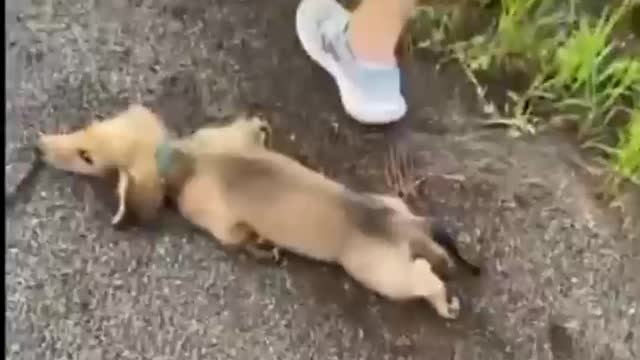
{"x":310,"y":248}
{"x":302,"y":241}
{"x":302,"y":235}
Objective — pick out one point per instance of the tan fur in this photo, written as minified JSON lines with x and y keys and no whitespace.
{"x":242,"y":133}
{"x":125,"y":142}
{"x":230,"y":194}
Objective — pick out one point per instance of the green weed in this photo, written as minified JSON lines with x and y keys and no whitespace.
{"x":627,"y":155}
{"x":578,"y":73}
{"x":520,"y":38}
{"x":432,"y":28}
{"x":590,"y":102}
{"x":582,"y":78}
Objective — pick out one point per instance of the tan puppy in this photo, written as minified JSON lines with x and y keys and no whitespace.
{"x":125,"y":143}
{"x":374,"y":238}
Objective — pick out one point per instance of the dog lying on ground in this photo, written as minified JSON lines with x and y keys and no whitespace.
{"x":375,"y":238}
{"x":125,"y":145}
{"x":243,"y":193}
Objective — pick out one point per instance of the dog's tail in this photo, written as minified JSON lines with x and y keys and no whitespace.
{"x":447,"y":240}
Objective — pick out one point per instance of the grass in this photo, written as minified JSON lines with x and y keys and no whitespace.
{"x":627,"y":154}
{"x":516,"y":40}
{"x":577,"y":65}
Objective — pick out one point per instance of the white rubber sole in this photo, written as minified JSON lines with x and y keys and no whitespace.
{"x":348,"y":96}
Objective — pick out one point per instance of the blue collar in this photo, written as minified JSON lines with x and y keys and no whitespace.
{"x":165,"y":157}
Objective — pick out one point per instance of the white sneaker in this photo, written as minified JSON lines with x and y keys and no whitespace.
{"x":370,"y":93}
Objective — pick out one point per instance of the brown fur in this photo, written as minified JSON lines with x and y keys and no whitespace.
{"x":371,"y":236}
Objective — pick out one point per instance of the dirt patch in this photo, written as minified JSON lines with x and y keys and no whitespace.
{"x":560,"y":274}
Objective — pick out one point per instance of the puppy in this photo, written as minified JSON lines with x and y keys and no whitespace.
{"x":125,"y":143}
{"x":375,"y":238}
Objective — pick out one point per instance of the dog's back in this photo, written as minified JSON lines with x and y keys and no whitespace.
{"x":308,"y":213}
{"x":381,"y":244}
{"x":295,"y":207}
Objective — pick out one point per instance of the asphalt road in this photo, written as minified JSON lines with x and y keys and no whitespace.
{"x":560,"y":275}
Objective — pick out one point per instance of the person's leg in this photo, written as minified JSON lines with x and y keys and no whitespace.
{"x":376,"y":26}
{"x":357,"y":49}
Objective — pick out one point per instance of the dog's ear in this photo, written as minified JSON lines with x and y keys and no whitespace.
{"x":146,"y":199}
{"x":121,"y":192}
{"x":141,"y":195}
{"x":139,"y":199}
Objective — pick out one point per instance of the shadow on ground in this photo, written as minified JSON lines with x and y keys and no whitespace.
{"x":559,"y":280}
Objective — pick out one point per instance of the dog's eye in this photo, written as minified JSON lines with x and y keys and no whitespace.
{"x":84,"y":155}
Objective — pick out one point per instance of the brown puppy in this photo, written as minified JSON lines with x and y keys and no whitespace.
{"x":125,"y":143}
{"x":374,"y":238}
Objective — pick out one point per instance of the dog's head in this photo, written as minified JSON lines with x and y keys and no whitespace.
{"x":124,"y":144}
{"x":104,"y":145}
{"x":80,"y":152}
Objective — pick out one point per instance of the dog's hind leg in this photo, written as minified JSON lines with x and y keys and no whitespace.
{"x":427,"y":285}
{"x":259,"y":253}
{"x":260,"y":248}
{"x":230,"y":234}
{"x":239,"y":236}
{"x":393,"y":202}
{"x":391,"y":272}
{"x":422,"y":245}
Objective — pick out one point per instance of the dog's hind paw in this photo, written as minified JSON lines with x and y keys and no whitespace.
{"x":454,"y":307}
{"x":272,"y":254}
{"x":452,"y":310}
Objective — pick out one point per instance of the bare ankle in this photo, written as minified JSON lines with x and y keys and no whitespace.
{"x":376,"y":26}
{"x":370,"y":50}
